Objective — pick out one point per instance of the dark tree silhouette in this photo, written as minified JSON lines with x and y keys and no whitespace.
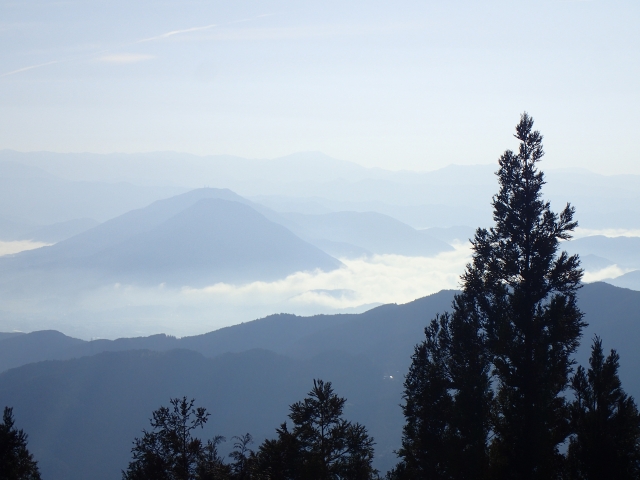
{"x":170,"y":451}
{"x":428,"y":408}
{"x":447,"y":400}
{"x":606,"y":443}
{"x":321,"y":445}
{"x":16,"y":463}
{"x":527,"y":293}
{"x":512,"y":331}
{"x":242,"y":457}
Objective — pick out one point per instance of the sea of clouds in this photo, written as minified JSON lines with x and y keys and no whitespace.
{"x":120,"y":310}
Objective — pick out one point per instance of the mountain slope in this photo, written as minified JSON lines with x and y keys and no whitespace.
{"x":371,"y":231}
{"x":287,"y":334}
{"x":623,"y":251}
{"x":213,"y":240}
{"x":192,"y":239}
{"x":385,"y":334}
{"x":628,"y":280}
{"x":82,"y":415}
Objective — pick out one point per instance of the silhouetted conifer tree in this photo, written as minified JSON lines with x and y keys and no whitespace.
{"x":516,"y":323}
{"x":242,"y":456}
{"x":428,"y":408}
{"x":16,"y":463}
{"x":171,"y":452}
{"x":527,"y":293}
{"x":321,"y":445}
{"x":606,"y":442}
{"x":447,"y":401}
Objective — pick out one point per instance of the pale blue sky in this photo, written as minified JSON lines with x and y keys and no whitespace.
{"x":413,"y":85}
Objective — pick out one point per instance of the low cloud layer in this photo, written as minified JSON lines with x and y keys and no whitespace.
{"x":356,"y":287}
{"x":8,"y":248}
{"x":606,"y":232}
{"x":128,"y":310}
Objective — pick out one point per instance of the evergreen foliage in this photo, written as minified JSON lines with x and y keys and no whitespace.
{"x":499,"y":365}
{"x":527,"y":293}
{"x":606,"y":442}
{"x":447,"y":397}
{"x":243,"y":457}
{"x":321,"y":444}
{"x":16,"y":463}
{"x":170,"y":451}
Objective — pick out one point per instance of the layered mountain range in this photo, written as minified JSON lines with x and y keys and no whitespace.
{"x":83,"y":402}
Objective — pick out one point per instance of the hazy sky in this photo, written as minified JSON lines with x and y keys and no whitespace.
{"x":414,"y":85}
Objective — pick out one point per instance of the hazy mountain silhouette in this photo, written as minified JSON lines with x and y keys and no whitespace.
{"x":628,"y":280}
{"x":601,"y":201}
{"x":454,"y":195}
{"x":5,"y":335}
{"x":190,"y":239}
{"x":369,"y":231}
{"x":366,"y":333}
{"x":418,"y":216}
{"x":593,"y":263}
{"x":14,"y":229}
{"x":61,"y":231}
{"x":18,"y":230}
{"x":623,"y":251}
{"x":383,"y":334}
{"x":456,"y":234}
{"x":32,"y":196}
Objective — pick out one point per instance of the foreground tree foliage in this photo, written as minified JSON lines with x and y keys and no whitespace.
{"x":170,"y":451}
{"x":16,"y":463}
{"x":606,"y":423}
{"x":320,"y":445}
{"x":484,"y":397}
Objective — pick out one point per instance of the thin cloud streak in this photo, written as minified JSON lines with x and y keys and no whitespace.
{"x":176,"y":32}
{"x":144,"y":40}
{"x":31,"y":67}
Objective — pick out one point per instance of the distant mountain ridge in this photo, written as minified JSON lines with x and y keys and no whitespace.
{"x":369,"y":231}
{"x":453,"y":195}
{"x":384,"y":334}
{"x":34,"y":197}
{"x":622,"y":250}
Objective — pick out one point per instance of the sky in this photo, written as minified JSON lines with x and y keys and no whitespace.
{"x":400,"y":85}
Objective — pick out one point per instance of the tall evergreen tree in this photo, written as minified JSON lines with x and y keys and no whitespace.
{"x":16,"y":463}
{"x":526,"y":292}
{"x":606,"y":442}
{"x":511,"y":333}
